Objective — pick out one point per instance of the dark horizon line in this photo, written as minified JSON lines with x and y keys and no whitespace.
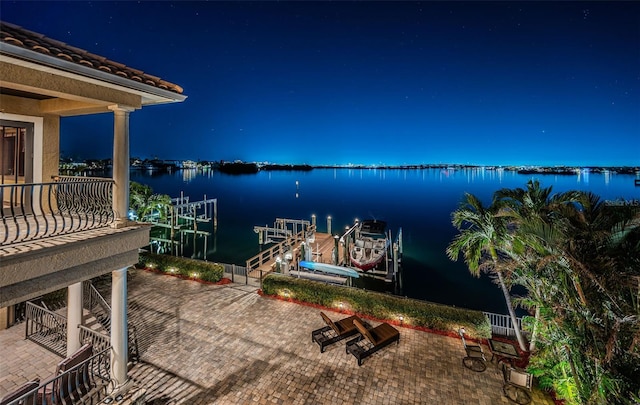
{"x":381,"y":165}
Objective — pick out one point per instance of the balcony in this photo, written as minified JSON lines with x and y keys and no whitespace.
{"x":68,"y":205}
{"x":62,"y":232}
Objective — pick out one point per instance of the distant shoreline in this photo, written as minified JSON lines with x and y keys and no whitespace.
{"x":557,"y":170}
{"x":240,"y":167}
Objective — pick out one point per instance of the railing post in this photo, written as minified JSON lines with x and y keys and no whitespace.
{"x":27,"y":320}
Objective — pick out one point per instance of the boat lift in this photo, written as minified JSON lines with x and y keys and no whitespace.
{"x":182,"y":218}
{"x":282,"y":230}
{"x":198,"y":211}
{"x":394,"y":250}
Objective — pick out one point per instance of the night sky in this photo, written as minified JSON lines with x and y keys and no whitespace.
{"x":504,"y":83}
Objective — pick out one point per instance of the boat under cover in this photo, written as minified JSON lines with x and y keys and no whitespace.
{"x":369,"y":247}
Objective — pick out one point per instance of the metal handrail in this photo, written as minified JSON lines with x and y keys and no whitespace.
{"x":134,"y":351}
{"x":233,"y":270}
{"x":100,"y":341}
{"x":93,"y":299}
{"x":34,"y":211}
{"x":278,"y":249}
{"x":40,"y":321}
{"x":73,"y":385}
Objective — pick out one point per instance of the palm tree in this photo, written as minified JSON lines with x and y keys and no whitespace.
{"x":482,"y":239}
{"x":146,"y":205}
{"x":586,"y":263}
{"x":579,"y":260}
{"x":605,"y":256}
{"x":542,"y":268}
{"x":534,"y":208}
{"x":156,"y":207}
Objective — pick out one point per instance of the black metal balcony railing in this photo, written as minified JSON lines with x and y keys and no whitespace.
{"x":34,"y":211}
{"x":49,"y":329}
{"x":46,"y":328}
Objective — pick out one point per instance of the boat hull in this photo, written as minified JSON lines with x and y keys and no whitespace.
{"x":365,"y":266}
{"x":367,"y":252}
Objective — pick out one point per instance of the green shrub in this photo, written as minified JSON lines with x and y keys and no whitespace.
{"x":380,"y":306}
{"x":188,"y":268}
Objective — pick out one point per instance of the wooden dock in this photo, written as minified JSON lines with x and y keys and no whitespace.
{"x":265,"y":262}
{"x":288,"y":252}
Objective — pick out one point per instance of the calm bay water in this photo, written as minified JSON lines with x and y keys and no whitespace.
{"x":418,"y":201}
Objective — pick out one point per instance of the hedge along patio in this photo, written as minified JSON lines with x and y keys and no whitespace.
{"x":393,"y":309}
{"x":181,"y":267}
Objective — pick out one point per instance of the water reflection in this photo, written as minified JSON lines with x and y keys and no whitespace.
{"x":418,"y":201}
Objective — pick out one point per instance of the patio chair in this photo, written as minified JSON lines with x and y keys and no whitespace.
{"x":334,"y":331}
{"x":517,"y":384}
{"x":378,"y":337}
{"x":20,"y":392}
{"x":475,"y":359}
{"x":69,"y":387}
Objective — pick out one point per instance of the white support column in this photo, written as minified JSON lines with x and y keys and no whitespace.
{"x":74,"y":317}
{"x":121,"y":163}
{"x":119,"y":331}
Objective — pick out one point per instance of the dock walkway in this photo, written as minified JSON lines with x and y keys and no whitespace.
{"x":322,"y":249}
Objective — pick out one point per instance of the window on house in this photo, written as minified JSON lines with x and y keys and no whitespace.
{"x":12,"y":154}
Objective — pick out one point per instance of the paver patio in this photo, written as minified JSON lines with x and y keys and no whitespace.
{"x":225,"y":344}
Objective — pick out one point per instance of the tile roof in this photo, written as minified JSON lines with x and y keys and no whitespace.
{"x":18,"y":36}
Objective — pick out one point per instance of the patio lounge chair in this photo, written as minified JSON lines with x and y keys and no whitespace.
{"x":517,"y":384}
{"x":378,"y":337}
{"x":334,"y":331}
{"x":475,"y":359}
